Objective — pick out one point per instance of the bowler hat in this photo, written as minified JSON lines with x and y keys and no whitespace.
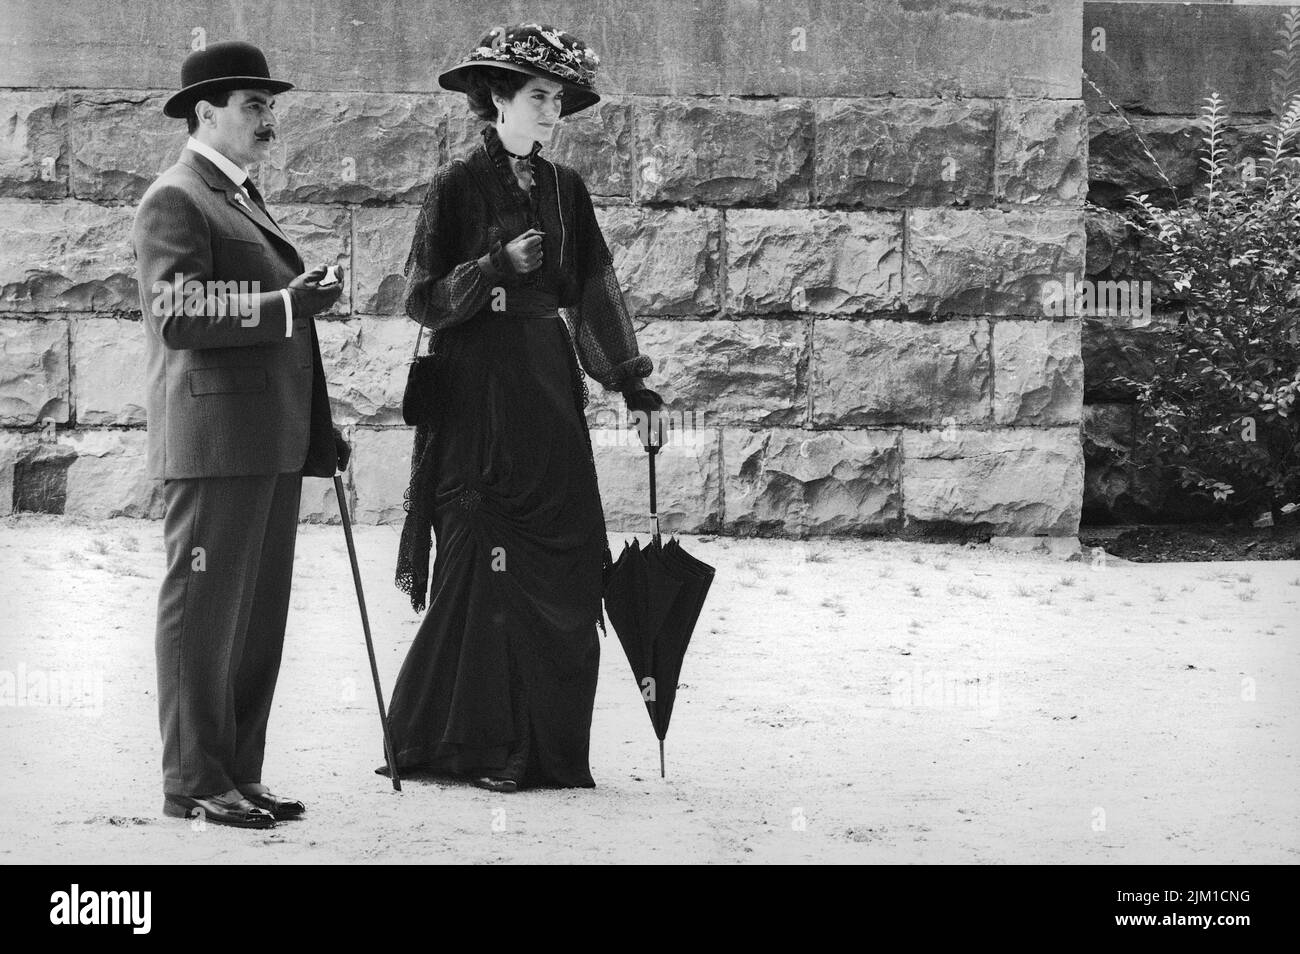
{"x":536,"y":49}
{"x":230,"y":64}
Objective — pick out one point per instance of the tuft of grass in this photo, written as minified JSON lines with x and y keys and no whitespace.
{"x":126,"y":569}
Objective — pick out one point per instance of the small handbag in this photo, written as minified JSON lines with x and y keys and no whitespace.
{"x":418,"y":402}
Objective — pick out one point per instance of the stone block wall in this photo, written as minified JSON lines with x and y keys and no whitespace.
{"x":832,"y":225}
{"x":1155,"y":63}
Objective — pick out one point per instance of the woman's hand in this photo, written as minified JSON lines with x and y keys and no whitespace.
{"x":525,"y":252}
{"x":643,"y":399}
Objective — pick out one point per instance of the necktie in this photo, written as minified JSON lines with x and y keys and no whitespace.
{"x":251,"y":188}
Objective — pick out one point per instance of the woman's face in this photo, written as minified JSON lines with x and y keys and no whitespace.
{"x":534,"y":111}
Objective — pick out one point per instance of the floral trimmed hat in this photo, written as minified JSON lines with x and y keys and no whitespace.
{"x":538,"y":50}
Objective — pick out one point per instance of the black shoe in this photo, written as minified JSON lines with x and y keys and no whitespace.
{"x":239,"y":814}
{"x":497,"y":784}
{"x":281,"y":808}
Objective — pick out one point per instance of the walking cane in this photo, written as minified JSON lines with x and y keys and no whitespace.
{"x":389,"y":755}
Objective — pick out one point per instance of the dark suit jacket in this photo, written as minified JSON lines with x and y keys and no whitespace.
{"x":228,"y":394}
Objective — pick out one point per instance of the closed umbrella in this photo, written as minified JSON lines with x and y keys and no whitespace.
{"x":653,"y":597}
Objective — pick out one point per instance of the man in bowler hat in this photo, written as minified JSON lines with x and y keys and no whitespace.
{"x":237,"y":414}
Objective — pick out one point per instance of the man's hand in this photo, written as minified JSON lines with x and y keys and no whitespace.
{"x":309,"y":296}
{"x":342,"y":449}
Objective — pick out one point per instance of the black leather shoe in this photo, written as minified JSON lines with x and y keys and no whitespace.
{"x":219,"y":811}
{"x":497,"y":784}
{"x":281,"y":808}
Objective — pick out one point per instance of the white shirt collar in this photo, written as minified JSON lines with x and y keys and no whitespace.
{"x":233,"y":171}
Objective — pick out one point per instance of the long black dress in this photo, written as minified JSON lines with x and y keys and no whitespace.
{"x":501,"y":677}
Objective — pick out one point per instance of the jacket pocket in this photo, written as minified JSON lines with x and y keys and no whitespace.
{"x":226,"y":380}
{"x":239,"y":245}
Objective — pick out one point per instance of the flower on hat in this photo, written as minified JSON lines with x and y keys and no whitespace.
{"x":540,"y":44}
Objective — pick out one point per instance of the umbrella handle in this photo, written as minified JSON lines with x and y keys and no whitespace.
{"x":651,"y":451}
{"x":390,"y":756}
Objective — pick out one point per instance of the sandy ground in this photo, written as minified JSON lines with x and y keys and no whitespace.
{"x":841,"y":702}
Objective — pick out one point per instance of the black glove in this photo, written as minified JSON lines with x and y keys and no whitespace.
{"x":342,"y":449}
{"x":643,"y":399}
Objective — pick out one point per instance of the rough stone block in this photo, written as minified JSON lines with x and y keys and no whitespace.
{"x":1013,"y":481}
{"x":988,"y":262}
{"x":904,"y":153}
{"x":810,"y":483}
{"x":108,"y":360}
{"x":1041,"y":153}
{"x":66,"y":256}
{"x":108,"y":477}
{"x":381,"y":469}
{"x":781,"y":260}
{"x":121,"y":142}
{"x":365,"y":364}
{"x":33,"y":144}
{"x":34,"y":371}
{"x":751,"y":372}
{"x":1038,"y":372}
{"x":687,"y":478}
{"x":890,"y":372}
{"x":353,"y":147}
{"x":666,"y":259}
{"x":725,"y":152}
{"x":382,"y":243}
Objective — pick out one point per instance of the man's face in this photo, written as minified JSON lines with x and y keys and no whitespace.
{"x":243,"y":129}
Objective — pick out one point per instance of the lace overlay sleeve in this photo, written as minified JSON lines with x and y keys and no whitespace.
{"x":440,"y":290}
{"x":603,"y":332}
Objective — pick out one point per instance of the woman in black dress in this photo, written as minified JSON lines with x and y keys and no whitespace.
{"x":500,"y":681}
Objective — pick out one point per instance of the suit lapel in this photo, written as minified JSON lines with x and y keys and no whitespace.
{"x":218,"y":182}
{"x":235,"y":196}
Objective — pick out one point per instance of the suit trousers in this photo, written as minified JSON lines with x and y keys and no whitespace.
{"x":221,"y":618}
